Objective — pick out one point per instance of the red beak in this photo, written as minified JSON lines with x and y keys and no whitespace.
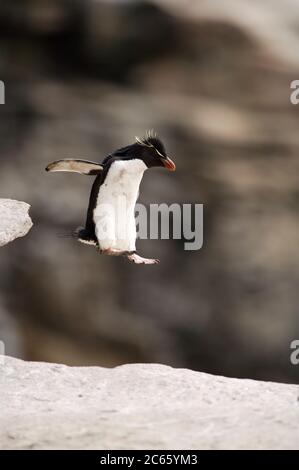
{"x":169,"y":164}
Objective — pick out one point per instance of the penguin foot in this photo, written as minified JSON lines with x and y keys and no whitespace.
{"x":134,"y":258}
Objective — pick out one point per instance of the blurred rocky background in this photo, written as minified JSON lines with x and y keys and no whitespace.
{"x":83,"y":77}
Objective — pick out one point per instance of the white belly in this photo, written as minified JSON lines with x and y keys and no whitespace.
{"x":114,"y":215}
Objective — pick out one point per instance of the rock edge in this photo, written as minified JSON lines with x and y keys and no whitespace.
{"x":15,"y":221}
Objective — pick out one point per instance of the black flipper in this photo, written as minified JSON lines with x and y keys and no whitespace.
{"x":85,"y":167}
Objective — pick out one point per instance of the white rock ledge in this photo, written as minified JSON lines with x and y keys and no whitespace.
{"x":15,"y":221}
{"x":141,"y":406}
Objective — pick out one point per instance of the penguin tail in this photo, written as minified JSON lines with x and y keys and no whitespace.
{"x":80,"y":234}
{"x":85,"y":237}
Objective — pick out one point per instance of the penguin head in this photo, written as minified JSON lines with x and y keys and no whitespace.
{"x":149,"y":149}
{"x":152,"y":152}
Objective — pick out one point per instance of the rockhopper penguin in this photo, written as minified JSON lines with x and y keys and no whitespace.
{"x":110,"y":223}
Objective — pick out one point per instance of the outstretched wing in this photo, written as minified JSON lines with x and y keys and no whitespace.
{"x":84,"y":167}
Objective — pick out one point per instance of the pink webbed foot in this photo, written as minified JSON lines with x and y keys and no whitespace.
{"x":134,"y":258}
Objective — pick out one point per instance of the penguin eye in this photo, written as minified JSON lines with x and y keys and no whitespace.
{"x":159,"y":153}
{"x":151,"y":141}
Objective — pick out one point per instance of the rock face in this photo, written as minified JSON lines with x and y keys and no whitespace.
{"x":138,"y":406}
{"x":15,"y":221}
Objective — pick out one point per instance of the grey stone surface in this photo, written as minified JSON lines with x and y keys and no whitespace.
{"x":15,"y":221}
{"x":138,"y":406}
